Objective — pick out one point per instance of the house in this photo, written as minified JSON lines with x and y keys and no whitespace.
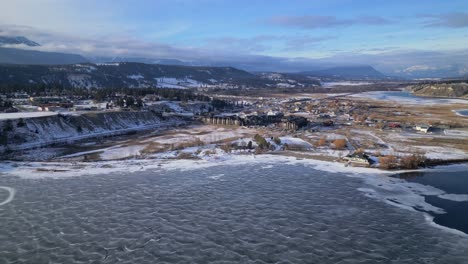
{"x":422,"y":128}
{"x":328,"y":123}
{"x":394,"y":125}
{"x":293,"y":122}
{"x":274,"y":113}
{"x":358,"y":160}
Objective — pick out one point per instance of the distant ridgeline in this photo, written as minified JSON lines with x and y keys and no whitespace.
{"x":140,"y":75}
{"x":454,"y":89}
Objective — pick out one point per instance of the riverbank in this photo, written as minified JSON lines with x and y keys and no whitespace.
{"x":38,"y":132}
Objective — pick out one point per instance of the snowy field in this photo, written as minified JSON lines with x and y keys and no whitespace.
{"x":344,"y":83}
{"x":158,"y":146}
{"x":5,"y":116}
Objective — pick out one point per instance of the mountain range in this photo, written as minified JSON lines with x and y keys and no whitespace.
{"x":7,"y":40}
{"x":33,"y":57}
{"x":140,"y":75}
{"x":11,"y":55}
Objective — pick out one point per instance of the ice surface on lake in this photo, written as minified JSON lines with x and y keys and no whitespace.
{"x":236,"y":214}
{"x":455,"y":197}
{"x":407,"y":98}
{"x":344,"y":83}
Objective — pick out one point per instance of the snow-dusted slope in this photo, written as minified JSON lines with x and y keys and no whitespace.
{"x":139,"y":75}
{"x":125,"y":74}
{"x":41,"y":131}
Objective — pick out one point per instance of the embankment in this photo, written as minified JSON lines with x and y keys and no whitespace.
{"x":20,"y":134}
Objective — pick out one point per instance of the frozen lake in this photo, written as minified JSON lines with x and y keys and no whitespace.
{"x":250,"y":213}
{"x":407,"y":97}
{"x":343,"y":83}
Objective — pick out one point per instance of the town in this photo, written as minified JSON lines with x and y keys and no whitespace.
{"x":234,"y":131}
{"x":340,"y":127}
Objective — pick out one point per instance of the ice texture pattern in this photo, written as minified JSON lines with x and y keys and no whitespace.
{"x":248,"y":213}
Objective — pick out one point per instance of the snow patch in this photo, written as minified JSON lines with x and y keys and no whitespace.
{"x":135,"y":76}
{"x":344,"y":83}
{"x":5,"y":116}
{"x":11,"y":194}
{"x":454,"y":197}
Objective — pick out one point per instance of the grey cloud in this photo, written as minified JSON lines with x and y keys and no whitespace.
{"x":304,"y":42}
{"x":112,"y":45}
{"x":316,"y":21}
{"x":394,"y":62}
{"x":389,"y":60}
{"x":261,"y":43}
{"x":246,"y":45}
{"x":451,"y":20}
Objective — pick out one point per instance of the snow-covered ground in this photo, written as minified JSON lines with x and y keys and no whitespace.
{"x":344,"y":83}
{"x":205,"y":134}
{"x":291,"y":141}
{"x":39,"y":133}
{"x":135,"y":76}
{"x":4,"y":116}
{"x":456,"y":133}
{"x":70,"y":169}
{"x":170,"y":82}
{"x":433,"y":152}
{"x":122,"y":152}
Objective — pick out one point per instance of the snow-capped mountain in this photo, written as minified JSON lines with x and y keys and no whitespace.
{"x":17,"y":40}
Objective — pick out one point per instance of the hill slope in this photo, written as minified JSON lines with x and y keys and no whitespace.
{"x":135,"y":75}
{"x":7,"y":40}
{"x":442,"y":89}
{"x":20,"y":56}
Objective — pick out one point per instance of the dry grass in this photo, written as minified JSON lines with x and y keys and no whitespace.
{"x":442,"y":142}
{"x":154,"y":147}
{"x":302,"y":155}
{"x":186,"y":155}
{"x":339,"y":143}
{"x":194,"y":143}
{"x":96,"y":156}
{"x":226,"y":140}
{"x":441,"y":114}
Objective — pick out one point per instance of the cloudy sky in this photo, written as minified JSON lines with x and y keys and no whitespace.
{"x":394,"y":36}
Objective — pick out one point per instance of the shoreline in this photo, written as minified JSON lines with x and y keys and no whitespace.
{"x":457,"y":112}
{"x":214,"y":160}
